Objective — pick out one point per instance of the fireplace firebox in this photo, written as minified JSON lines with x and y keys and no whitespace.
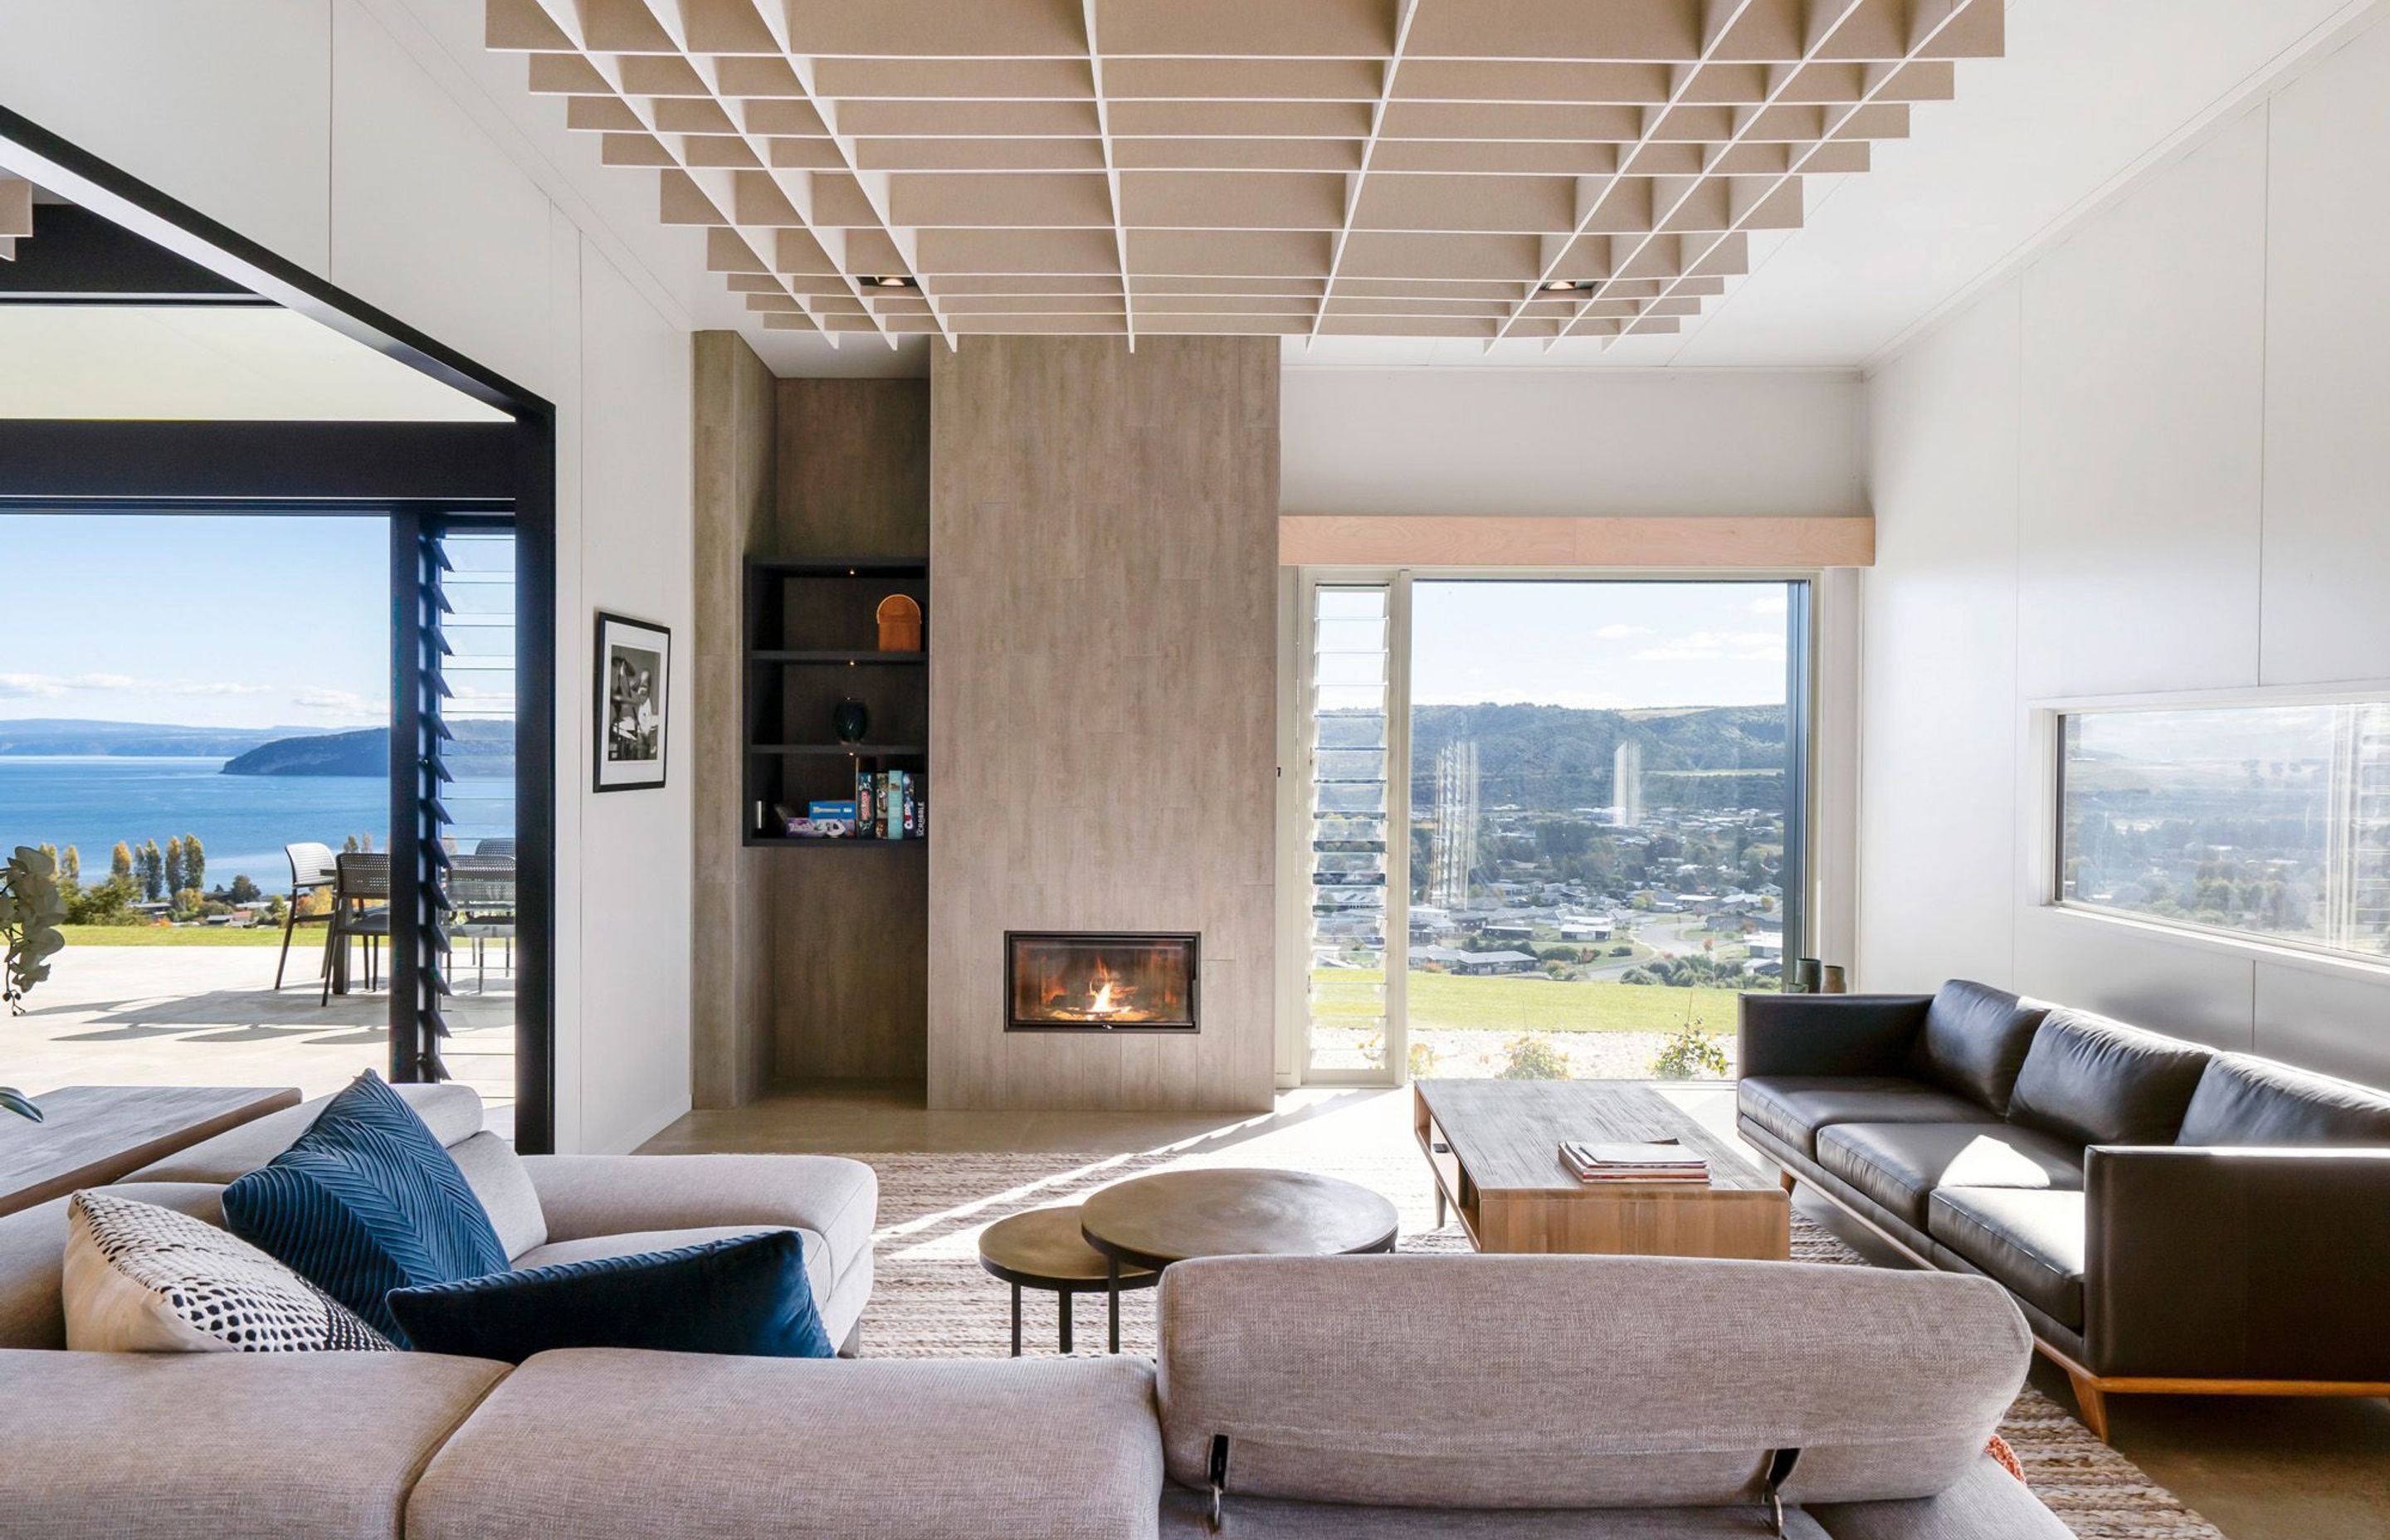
{"x":1100,"y":981}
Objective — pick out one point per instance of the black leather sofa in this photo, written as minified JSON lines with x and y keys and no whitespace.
{"x":2169,"y":1218}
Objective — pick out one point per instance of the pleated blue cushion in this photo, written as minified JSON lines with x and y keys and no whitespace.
{"x":746,"y":1296}
{"x":365,"y":1202}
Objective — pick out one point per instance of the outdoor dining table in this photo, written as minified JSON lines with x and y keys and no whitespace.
{"x":481,"y":887}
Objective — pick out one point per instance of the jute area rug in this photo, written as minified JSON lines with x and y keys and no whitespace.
{"x":930,"y":1300}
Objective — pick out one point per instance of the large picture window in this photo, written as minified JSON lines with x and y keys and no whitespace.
{"x":2261,"y":820}
{"x":1555,"y":825}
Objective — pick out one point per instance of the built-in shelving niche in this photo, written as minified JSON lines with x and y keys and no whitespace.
{"x":812,"y":629}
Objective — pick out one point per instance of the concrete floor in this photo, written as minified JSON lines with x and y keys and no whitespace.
{"x":211,"y":1016}
{"x":2259,"y":1470}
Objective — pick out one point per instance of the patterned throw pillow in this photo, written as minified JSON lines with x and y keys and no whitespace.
{"x":365,"y":1202}
{"x":140,"y":1278}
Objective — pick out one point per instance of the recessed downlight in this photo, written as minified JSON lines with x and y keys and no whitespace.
{"x":893,"y":280}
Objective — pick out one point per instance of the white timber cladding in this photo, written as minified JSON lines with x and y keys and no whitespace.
{"x":1481,"y":169}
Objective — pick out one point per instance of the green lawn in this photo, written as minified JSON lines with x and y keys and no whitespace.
{"x":178,"y":935}
{"x":1522,"y":1004}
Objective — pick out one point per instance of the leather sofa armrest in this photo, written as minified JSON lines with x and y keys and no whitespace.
{"x":1828,"y":1035}
{"x":2233,"y":1263}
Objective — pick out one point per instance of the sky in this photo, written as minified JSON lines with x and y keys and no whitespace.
{"x":1619,"y":646}
{"x":251,"y":620}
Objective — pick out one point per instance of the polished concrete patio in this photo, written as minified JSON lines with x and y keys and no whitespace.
{"x":209,"y":1016}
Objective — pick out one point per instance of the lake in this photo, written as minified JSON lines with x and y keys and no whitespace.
{"x":242,"y":821}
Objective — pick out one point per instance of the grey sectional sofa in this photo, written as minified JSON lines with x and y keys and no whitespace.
{"x":1607,"y":1398}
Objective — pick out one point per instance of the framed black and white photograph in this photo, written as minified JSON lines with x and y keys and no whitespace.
{"x":634,"y":702}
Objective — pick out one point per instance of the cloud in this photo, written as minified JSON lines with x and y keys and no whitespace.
{"x":1770,"y":603}
{"x":1614,"y":633}
{"x":27,"y":686}
{"x":341,"y":702}
{"x":1696,"y":646}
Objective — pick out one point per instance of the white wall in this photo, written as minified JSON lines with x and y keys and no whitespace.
{"x":1489,"y":440}
{"x":2153,"y":460}
{"x":372,"y":142}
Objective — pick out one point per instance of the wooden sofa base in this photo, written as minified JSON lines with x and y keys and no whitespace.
{"x":2092,"y":1390}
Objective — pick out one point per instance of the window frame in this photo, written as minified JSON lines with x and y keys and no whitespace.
{"x":1803,"y":907}
{"x":2043,"y":836}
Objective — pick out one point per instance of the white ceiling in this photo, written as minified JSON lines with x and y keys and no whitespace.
{"x":245,"y":362}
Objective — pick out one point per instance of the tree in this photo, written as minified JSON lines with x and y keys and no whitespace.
{"x":243,"y":891}
{"x":152,"y":867}
{"x":194,"y":862}
{"x":71,"y":865}
{"x":175,"y":880}
{"x":119,"y":865}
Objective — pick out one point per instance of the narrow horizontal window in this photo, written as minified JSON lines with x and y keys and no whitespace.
{"x":2268,"y":821}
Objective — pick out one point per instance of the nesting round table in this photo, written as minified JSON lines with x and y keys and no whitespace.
{"x":1043,"y":1249}
{"x":1124,"y":1236}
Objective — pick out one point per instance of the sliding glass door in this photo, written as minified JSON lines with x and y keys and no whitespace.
{"x":1554,"y":828}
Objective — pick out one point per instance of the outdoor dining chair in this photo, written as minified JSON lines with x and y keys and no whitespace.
{"x":360,"y":908}
{"x":482,"y":889}
{"x":311,"y":872}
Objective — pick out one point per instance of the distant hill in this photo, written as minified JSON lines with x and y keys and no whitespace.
{"x":1553,"y":758}
{"x":482,"y":749}
{"x":59,"y":734}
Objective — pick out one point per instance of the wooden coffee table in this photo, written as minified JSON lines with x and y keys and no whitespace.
{"x":1494,"y":1146}
{"x":91,"y":1135}
{"x":1151,"y":1222}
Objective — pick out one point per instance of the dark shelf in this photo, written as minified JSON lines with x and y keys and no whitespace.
{"x":853,"y":750}
{"x":832,"y":567}
{"x":783,"y":656}
{"x":779,"y":840}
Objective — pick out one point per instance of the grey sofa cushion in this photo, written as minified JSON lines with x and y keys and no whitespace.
{"x":1577,"y":1382}
{"x":1986,"y":1503}
{"x":1974,"y":1041}
{"x":2094,"y":1081}
{"x":2243,"y":1100}
{"x":452,"y":1111}
{"x":1899,"y":1164}
{"x":1795,"y":1108}
{"x":1185,"y":1513}
{"x":33,"y":1249}
{"x":499,"y":1179}
{"x":612,"y":1445}
{"x":2033,"y":1241}
{"x":596,"y":1195}
{"x":261,"y":1445}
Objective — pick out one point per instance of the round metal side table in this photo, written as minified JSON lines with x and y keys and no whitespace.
{"x":1043,"y":1248}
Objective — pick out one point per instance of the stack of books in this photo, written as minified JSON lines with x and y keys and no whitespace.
{"x":1662,"y":1160}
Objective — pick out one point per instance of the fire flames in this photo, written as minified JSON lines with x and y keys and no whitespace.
{"x":1106,"y":997}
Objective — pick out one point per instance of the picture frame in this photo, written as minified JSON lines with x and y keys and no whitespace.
{"x":632,"y":721}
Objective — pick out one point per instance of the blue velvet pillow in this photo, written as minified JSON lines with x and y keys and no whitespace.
{"x":365,"y":1202}
{"x":747,"y":1295}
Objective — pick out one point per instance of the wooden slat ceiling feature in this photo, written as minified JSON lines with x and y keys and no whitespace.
{"x":1489,"y":169}
{"x":16,"y":215}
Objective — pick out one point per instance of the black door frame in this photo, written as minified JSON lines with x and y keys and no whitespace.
{"x":251,"y":467}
